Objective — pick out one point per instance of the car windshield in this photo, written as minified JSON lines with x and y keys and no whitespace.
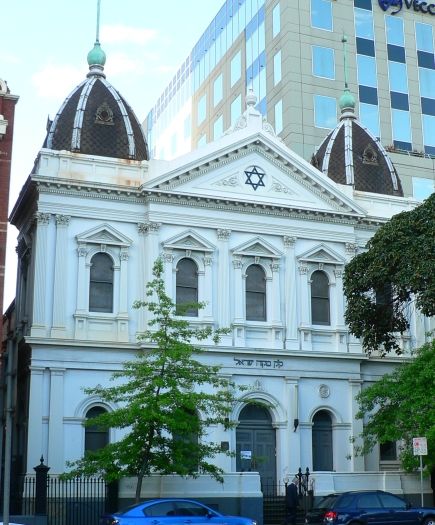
{"x":326,"y":501}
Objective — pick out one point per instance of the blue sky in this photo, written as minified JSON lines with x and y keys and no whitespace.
{"x":43,"y":52}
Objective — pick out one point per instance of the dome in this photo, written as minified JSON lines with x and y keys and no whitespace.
{"x":350,"y":154}
{"x":96,"y":120}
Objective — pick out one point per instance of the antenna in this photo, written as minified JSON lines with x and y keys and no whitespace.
{"x":98,"y":21}
{"x":344,"y":41}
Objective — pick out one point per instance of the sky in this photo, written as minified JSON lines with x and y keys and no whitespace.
{"x":43,"y":50}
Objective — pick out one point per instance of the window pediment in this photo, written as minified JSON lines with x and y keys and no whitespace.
{"x":189,"y":241}
{"x":322,"y":254}
{"x":103,"y":234}
{"x":257,"y":248}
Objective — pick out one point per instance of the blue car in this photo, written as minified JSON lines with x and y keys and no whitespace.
{"x":172,"y":511}
{"x":368,"y":507}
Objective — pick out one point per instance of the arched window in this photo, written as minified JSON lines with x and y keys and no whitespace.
{"x":101,"y":284}
{"x":255,"y":293}
{"x":186,"y":287}
{"x":322,"y":441}
{"x":95,"y":436}
{"x":320,"y":298}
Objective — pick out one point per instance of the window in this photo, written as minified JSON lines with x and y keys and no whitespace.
{"x":427,"y":82}
{"x":278,"y":117}
{"x":390,"y":501}
{"x":277,"y":68}
{"x":185,"y":444}
{"x":96,"y":437}
{"x":422,"y":188}
{"x":186,"y":287}
{"x":236,"y":68}
{"x":202,"y":141}
{"x":255,"y":293}
{"x":366,"y":66}
{"x":322,"y":441}
{"x":323,"y":62}
{"x":236,"y":109}
{"x":187,"y":126}
{"x":369,"y":117}
{"x":325,"y":112}
{"x":321,"y":14}
{"x":320,"y":298}
{"x":401,"y":125}
{"x":101,"y":284}
{"x":424,"y":37}
{"x":398,"y":77}
{"x":364,"y":24}
{"x":276,"y":20}
{"x":218,"y":128}
{"x":202,"y":109}
{"x":394,"y":26}
{"x":217,"y":90}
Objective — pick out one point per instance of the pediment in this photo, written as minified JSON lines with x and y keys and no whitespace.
{"x":103,"y":234}
{"x":258,"y":172}
{"x":188,"y":240}
{"x":257,"y":247}
{"x":322,"y":254}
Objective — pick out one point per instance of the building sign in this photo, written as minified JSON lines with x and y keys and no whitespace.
{"x":396,"y":6}
{"x":260,"y":363}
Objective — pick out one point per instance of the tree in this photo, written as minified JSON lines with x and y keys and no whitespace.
{"x":167,"y":400}
{"x":400,"y":406}
{"x":397,"y":268}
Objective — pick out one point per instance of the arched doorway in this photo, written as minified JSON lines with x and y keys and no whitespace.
{"x":322,"y":441}
{"x":256,"y":444}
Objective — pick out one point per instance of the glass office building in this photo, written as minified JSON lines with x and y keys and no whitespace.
{"x":291,"y":53}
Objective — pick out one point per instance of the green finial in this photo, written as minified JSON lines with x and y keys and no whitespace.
{"x":97,"y":57}
{"x":347,"y":100}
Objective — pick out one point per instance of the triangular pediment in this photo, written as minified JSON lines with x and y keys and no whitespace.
{"x":260,"y":171}
{"x":104,"y":234}
{"x":257,"y":247}
{"x":322,"y":254}
{"x":188,"y":240}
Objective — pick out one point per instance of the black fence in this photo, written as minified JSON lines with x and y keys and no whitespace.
{"x":78,"y":501}
{"x":274,"y":512}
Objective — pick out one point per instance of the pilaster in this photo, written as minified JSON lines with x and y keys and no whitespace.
{"x":292,"y":342}
{"x":35,"y":445}
{"x":39,"y":321}
{"x":58,"y":328}
{"x":56,"y":457}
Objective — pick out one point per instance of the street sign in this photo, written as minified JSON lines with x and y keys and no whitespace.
{"x":419,"y":445}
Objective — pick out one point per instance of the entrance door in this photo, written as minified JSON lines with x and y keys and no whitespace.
{"x":256,"y":444}
{"x":322,"y":441}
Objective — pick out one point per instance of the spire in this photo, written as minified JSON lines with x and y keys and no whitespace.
{"x":97,"y":57}
{"x":347,"y":100}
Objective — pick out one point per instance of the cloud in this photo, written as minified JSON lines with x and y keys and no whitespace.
{"x":126,"y":34}
{"x":9,"y":58}
{"x":55,"y":81}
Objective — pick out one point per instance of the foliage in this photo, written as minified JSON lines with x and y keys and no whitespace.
{"x":400,"y":259}
{"x":167,"y":399}
{"x":400,"y":406}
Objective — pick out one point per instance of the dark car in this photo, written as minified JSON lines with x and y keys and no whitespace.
{"x":368,"y":507}
{"x":172,"y":511}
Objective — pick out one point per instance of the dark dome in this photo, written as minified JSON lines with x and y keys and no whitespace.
{"x":350,"y":154}
{"x":96,"y":120}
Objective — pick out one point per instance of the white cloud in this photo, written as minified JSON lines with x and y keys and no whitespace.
{"x":120,"y":33}
{"x":57,"y":81}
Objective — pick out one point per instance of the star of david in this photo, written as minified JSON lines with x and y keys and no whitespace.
{"x":254,"y":177}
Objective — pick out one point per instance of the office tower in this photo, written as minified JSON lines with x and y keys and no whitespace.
{"x":291,"y":53}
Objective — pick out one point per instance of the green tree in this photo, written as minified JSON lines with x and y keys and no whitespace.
{"x":167,"y":401}
{"x":401,"y":406}
{"x":397,"y":268}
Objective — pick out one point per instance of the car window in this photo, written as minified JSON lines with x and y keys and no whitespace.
{"x":326,"y":502}
{"x":344,"y":501}
{"x":392,"y":502}
{"x":368,"y":501}
{"x":187,"y":508}
{"x":163,"y":508}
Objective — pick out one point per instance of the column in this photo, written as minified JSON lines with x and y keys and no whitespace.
{"x":122,"y":317}
{"x":148,"y":254}
{"x":60,"y":302}
{"x":294,"y":433}
{"x":56,"y":446}
{"x":207,"y":288}
{"x":142,"y":277}
{"x":305,"y":324}
{"x":292,"y":342}
{"x":239,"y":299}
{"x":35,"y":446}
{"x":39,"y":327}
{"x":275,"y":299}
{"x":223,"y":291}
{"x":357,"y":424}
